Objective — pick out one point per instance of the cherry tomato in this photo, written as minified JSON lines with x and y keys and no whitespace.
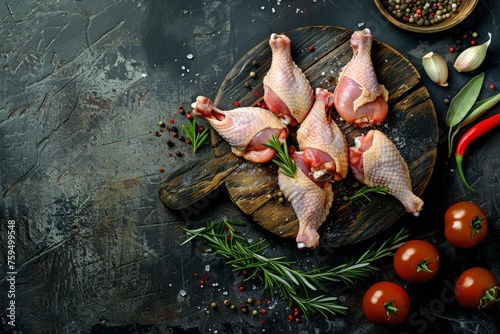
{"x":416,"y":261}
{"x":386,"y":303}
{"x":465,"y":224}
{"x":477,"y":288}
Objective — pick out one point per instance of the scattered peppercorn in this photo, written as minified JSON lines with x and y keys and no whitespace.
{"x":171,"y":121}
{"x":263,"y":311}
{"x":244,"y":309}
{"x":174,"y":128}
{"x":170,"y":143}
{"x":311,"y":48}
{"x":213,"y":305}
{"x":254,"y":62}
{"x":227,"y":302}
{"x":290,"y":317}
{"x":175,"y":134}
{"x":160,"y":123}
{"x":181,"y":138}
{"x":233,"y":307}
{"x":178,"y":153}
{"x":188,"y":141}
{"x":473,"y":42}
{"x":253,"y":74}
{"x":246,"y":84}
{"x":201,"y":129}
{"x":492,"y":86}
{"x":236,"y":103}
{"x":452,"y":49}
{"x":256,"y":93}
{"x":161,"y":169}
{"x":158,"y":134}
{"x":249,"y":300}
{"x":446,"y":101}
{"x":474,"y":34}
{"x":255,"y":312}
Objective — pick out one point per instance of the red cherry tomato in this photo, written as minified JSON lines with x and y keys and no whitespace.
{"x":465,"y":224}
{"x":416,"y":261}
{"x":477,"y":288}
{"x":386,"y":303}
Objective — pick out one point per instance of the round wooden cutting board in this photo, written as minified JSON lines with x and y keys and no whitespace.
{"x":321,"y":52}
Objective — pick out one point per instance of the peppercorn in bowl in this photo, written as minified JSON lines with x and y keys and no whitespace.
{"x":425,"y":16}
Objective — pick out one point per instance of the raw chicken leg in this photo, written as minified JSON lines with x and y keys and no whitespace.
{"x":359,"y":98}
{"x":245,"y":129}
{"x":375,"y":161}
{"x":324,"y":145}
{"x":287,"y":92}
{"x":311,"y":201}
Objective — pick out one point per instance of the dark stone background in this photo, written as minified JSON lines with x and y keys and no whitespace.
{"x":83,"y":85}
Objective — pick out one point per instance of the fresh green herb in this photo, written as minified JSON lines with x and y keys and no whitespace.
{"x":461,"y":104}
{"x":477,"y":110}
{"x":286,"y":165}
{"x":279,"y":275}
{"x":362,"y":193}
{"x":197,"y":138}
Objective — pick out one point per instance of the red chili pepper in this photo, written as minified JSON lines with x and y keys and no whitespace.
{"x":472,"y":134}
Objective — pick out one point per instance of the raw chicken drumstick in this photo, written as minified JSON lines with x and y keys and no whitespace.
{"x":287,"y":92}
{"x":324,"y":146}
{"x":359,"y":98}
{"x":246,"y":129}
{"x":311,"y":201}
{"x":375,"y":161}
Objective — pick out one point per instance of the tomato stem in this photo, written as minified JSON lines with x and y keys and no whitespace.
{"x":423,"y":266}
{"x":476,"y":225}
{"x":489,"y":297}
{"x":390,"y":308}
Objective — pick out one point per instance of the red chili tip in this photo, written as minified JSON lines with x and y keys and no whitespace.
{"x":459,"y":158}
{"x":311,"y":48}
{"x":161,"y":169}
{"x":236,"y":103}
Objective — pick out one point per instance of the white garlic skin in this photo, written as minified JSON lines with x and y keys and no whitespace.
{"x":472,"y":57}
{"x":436,"y":68}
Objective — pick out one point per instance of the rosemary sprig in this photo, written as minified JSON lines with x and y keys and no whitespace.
{"x":197,"y":138}
{"x":362,"y":193}
{"x":286,"y":165}
{"x":279,"y":274}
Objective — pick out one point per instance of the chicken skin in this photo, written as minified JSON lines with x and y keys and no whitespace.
{"x":325,"y":149}
{"x":287,"y":92}
{"x":246,"y":129}
{"x":375,"y":161}
{"x":311,"y":201}
{"x":359,"y":98}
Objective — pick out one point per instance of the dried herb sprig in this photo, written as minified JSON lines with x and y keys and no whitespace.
{"x":197,"y":138}
{"x":286,"y":165}
{"x":279,"y":274}
{"x":362,"y":193}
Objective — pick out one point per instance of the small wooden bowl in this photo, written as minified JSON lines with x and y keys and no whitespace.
{"x":466,"y":7}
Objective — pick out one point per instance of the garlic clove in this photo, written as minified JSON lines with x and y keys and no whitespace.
{"x":471,"y":58}
{"x":436,"y":68}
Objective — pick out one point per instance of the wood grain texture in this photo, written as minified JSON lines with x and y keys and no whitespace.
{"x":411,"y":124}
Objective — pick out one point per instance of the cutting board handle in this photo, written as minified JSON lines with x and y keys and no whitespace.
{"x":191,"y":182}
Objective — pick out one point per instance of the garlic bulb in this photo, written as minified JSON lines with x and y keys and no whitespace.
{"x":436,"y":68}
{"x":472,"y":58}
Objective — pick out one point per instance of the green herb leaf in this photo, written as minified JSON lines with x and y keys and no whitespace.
{"x":197,"y":138}
{"x":477,"y":110}
{"x":461,"y":104}
{"x":279,"y":274}
{"x":285,"y":163}
{"x":362,"y":193}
